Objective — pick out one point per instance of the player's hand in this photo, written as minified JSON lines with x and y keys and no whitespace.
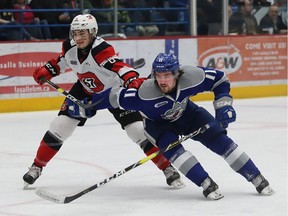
{"x":225,"y":113}
{"x":79,"y":112}
{"x":136,"y":83}
{"x":46,"y":72}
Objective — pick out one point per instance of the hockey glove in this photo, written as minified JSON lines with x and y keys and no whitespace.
{"x":225,"y":113}
{"x":46,"y":72}
{"x":129,"y":77}
{"x":79,"y":112}
{"x":136,"y":82}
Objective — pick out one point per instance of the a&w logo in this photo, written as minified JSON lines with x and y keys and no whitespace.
{"x":225,"y":58}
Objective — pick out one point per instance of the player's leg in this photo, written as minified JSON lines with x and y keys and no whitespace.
{"x":215,"y":139}
{"x":60,"y":129}
{"x":132,"y":123}
{"x":188,"y":165}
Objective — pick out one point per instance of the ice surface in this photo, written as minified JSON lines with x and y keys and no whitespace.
{"x":100,"y":149}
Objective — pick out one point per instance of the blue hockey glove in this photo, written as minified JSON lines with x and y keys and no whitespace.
{"x":225,"y":113}
{"x":76,"y":111}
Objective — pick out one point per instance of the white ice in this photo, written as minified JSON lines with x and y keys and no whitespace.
{"x":100,"y":149}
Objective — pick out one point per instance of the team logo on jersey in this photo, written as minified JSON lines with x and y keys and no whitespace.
{"x":176,"y":111}
{"x":160,"y":104}
{"x":91,"y":81}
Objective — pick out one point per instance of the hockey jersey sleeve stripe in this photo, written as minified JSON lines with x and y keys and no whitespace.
{"x":128,"y":99}
{"x":103,"y":52}
{"x":123,"y":72}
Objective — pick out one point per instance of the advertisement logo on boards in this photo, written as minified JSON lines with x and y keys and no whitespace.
{"x":23,"y":64}
{"x":224,"y":58}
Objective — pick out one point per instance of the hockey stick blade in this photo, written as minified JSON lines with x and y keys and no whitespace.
{"x":50,"y":196}
{"x":67,"y":199}
{"x":138,"y":63}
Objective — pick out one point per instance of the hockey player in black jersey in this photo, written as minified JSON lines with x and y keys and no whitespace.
{"x":97,"y":68}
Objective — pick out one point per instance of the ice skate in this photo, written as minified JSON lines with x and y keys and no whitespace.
{"x":31,"y":176}
{"x":211,"y":190}
{"x":262,"y":186}
{"x":173,"y":177}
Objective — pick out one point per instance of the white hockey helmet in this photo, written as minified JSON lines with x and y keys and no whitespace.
{"x":84,"y":21}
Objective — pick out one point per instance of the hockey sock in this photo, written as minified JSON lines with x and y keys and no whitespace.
{"x":188,"y":165}
{"x":240,"y":162}
{"x":49,"y":146}
{"x":249,"y":170}
{"x":160,"y":161}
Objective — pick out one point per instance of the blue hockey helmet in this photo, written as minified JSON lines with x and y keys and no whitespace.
{"x":164,"y":63}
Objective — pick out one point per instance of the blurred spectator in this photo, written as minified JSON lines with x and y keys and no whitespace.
{"x":261,"y":3}
{"x":243,"y":21}
{"x":67,"y":16}
{"x":157,"y":16}
{"x":106,"y":18}
{"x":282,"y":4}
{"x":272,"y":22}
{"x":6,"y":18}
{"x":209,"y":17}
{"x":179,"y":15}
{"x":52,"y":17}
{"x":137,"y":16}
{"x":27,"y":18}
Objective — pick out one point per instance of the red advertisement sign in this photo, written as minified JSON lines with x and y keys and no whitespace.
{"x":23,"y":64}
{"x":246,"y":58}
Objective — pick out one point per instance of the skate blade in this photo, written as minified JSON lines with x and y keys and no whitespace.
{"x":215,"y":195}
{"x":178,"y":184}
{"x":27,"y":186}
{"x":267,"y":191}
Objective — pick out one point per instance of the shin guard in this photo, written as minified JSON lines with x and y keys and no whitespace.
{"x":49,"y":146}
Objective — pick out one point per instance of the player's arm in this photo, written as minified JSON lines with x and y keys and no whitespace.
{"x":104,"y":54}
{"x":110,"y":98}
{"x":53,"y":67}
{"x":126,"y":99}
{"x":218,"y":82}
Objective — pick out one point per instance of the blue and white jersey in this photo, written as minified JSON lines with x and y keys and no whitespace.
{"x":157,"y":106}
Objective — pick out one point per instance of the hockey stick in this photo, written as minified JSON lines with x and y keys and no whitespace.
{"x":69,"y":96}
{"x":138,"y":63}
{"x":62,"y":199}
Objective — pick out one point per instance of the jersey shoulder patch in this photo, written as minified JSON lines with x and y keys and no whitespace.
{"x":149,"y":90}
{"x":192,"y":76}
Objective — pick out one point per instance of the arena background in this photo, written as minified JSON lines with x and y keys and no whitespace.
{"x":255,"y":65}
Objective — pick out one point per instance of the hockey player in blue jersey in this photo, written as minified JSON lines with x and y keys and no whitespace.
{"x":168,"y":113}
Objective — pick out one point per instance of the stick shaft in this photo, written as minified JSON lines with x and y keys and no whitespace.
{"x":68,"y":199}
